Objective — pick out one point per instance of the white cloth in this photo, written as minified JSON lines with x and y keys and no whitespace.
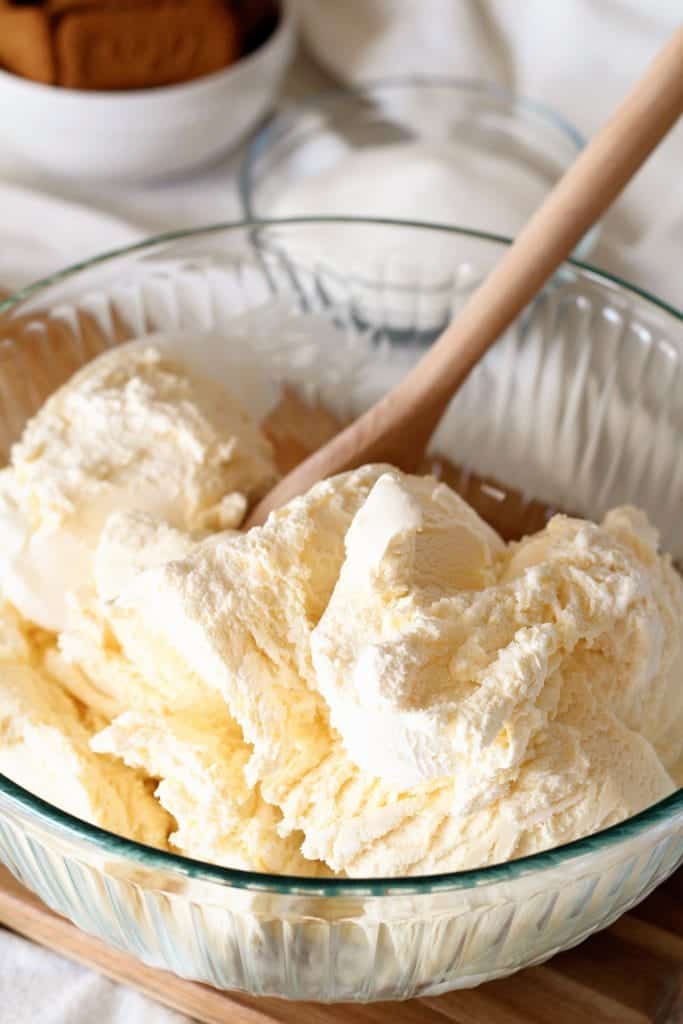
{"x":40,"y":233}
{"x":39,"y":987}
{"x":578,"y":57}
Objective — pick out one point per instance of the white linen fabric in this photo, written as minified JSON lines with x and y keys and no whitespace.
{"x":40,"y":234}
{"x":39,"y":987}
{"x":579,"y":56}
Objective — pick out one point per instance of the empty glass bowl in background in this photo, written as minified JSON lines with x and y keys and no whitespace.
{"x":580,"y":404}
{"x":440,"y":150}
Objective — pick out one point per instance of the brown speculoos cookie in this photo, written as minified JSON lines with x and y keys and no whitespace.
{"x":118,"y":44}
{"x":25,"y":43}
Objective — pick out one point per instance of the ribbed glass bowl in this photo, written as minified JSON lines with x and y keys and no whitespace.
{"x":580,"y":404}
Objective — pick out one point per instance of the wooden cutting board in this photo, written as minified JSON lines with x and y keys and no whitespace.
{"x":630,"y":974}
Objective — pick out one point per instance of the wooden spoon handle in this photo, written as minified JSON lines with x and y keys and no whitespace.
{"x":397,"y":429}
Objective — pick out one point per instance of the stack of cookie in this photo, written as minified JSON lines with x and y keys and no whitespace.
{"x":128,"y":44}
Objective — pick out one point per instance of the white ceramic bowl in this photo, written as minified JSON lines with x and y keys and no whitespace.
{"x":143,"y":133}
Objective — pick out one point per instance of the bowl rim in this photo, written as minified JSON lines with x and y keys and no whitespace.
{"x":664,"y":811}
{"x":67,"y":96}
{"x":258,"y":223}
{"x":520,"y":106}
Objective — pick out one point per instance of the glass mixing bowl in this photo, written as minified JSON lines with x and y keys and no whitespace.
{"x":580,"y":404}
{"x":503,"y":152}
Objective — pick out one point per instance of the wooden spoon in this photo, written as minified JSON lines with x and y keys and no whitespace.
{"x":398,"y":428}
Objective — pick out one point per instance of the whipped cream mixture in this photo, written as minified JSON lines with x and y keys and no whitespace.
{"x":372,"y":683}
{"x":133,"y":429}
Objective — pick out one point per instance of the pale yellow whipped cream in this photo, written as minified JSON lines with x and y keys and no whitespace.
{"x":134,"y":429}
{"x":372,"y":683}
{"x":45,"y":748}
{"x":415,"y":695}
{"x":200,"y":757}
{"x":87,"y":659}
